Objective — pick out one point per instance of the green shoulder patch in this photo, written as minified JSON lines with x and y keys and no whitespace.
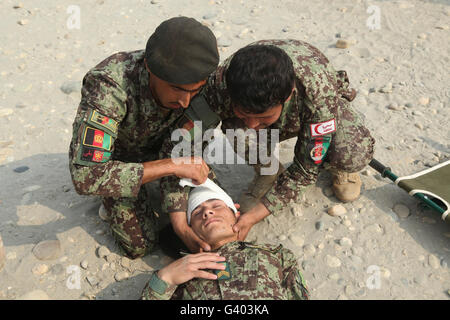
{"x":99,"y":120}
{"x":224,"y":274}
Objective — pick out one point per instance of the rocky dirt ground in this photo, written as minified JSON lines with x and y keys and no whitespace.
{"x":385,"y":245}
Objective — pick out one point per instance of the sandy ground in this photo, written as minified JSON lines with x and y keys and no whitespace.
{"x":399,"y":69}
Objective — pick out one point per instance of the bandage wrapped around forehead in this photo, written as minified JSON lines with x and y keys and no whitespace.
{"x":204,"y":192}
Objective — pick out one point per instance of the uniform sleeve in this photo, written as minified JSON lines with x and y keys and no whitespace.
{"x":320,"y":105}
{"x":292,"y":278}
{"x":157,"y":289}
{"x":91,"y":153}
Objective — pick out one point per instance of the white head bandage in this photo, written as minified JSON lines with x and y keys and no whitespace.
{"x":204,"y":192}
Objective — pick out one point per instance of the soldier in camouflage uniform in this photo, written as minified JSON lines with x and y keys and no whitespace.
{"x":233,"y":270}
{"x":130,"y":104}
{"x":290,"y":86}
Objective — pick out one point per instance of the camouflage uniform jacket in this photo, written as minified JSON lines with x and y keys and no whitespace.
{"x":320,"y":96}
{"x":118,"y":126}
{"x":256,"y":272}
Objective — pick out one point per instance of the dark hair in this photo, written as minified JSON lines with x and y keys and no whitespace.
{"x":259,"y":77}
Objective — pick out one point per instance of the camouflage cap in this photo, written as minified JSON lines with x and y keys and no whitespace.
{"x":182,"y":51}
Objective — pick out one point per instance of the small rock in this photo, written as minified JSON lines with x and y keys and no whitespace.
{"x":296,"y":211}
{"x":39,"y":269}
{"x":71,"y":86}
{"x":84,"y":264}
{"x":337,"y":210}
{"x":356,"y":260}
{"x":121,"y":276}
{"x":424,"y":101}
{"x":21,"y":169}
{"x":209,"y":15}
{"x":401,"y":210}
{"x":347,"y":223}
{"x":386,"y":89}
{"x":93,"y":281}
{"x":332,"y":261}
{"x":343,"y":43}
{"x":282,"y":237}
{"x":103,"y":252}
{"x":309,"y":249}
{"x":22,"y":22}
{"x":422,"y":36}
{"x":433,"y":261}
{"x":125,"y":262}
{"x":47,"y":250}
{"x":102,"y":213}
{"x":154,"y":1}
{"x":394,"y":106}
{"x":385,"y":273}
{"x":419,"y":125}
{"x":6,"y":112}
{"x":374,"y":228}
{"x":320,"y":225}
{"x":349,"y":290}
{"x":345,"y":242}
{"x":334,"y":276}
{"x":297,"y":240}
{"x":111,"y":258}
{"x":35,"y":295}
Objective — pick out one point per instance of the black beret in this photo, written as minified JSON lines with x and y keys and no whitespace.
{"x":182,"y":51}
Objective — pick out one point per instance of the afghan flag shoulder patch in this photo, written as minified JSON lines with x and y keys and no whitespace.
{"x":96,"y":138}
{"x":94,"y":155}
{"x":98,"y":120}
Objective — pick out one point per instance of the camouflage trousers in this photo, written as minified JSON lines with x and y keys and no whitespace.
{"x":133,"y":223}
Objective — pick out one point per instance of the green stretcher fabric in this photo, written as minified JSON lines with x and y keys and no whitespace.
{"x":434,"y":182}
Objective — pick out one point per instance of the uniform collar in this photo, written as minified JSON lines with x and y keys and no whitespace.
{"x":230,"y":247}
{"x":287,"y":106}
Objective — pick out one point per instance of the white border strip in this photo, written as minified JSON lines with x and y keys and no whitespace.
{"x":443,"y":164}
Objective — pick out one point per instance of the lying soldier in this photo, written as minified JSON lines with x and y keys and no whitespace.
{"x":233,"y":269}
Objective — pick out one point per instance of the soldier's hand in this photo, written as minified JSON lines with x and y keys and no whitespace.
{"x":193,"y":242}
{"x":194,"y":168}
{"x":191,"y":266}
{"x":243,"y":226}
{"x":247,"y":220}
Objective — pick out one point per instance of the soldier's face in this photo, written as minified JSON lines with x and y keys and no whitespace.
{"x":259,"y":121}
{"x":213,"y":221}
{"x":173,"y":96}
